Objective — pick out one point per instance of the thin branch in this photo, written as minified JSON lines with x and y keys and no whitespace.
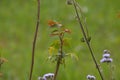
{"x":87,"y":42}
{"x":34,"y":41}
{"x":57,"y":68}
{"x":59,"y":56}
{"x":84,"y":22}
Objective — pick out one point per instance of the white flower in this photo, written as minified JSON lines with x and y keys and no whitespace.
{"x":88,"y":77}
{"x":102,"y":60}
{"x":105,"y":51}
{"x":91,"y":77}
{"x":49,"y":76}
{"x":106,"y":60}
{"x":109,"y":60}
{"x":106,"y":55}
{"x":41,"y":78}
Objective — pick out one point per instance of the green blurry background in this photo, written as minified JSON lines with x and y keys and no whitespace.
{"x":17,"y":26}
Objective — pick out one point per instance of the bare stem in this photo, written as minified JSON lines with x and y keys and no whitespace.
{"x":57,"y":68}
{"x":34,"y":40}
{"x":87,"y":42}
{"x":84,"y":20}
{"x":59,"y":57}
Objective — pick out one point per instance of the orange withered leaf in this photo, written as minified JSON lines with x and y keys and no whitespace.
{"x":67,"y":31}
{"x":51,"y":23}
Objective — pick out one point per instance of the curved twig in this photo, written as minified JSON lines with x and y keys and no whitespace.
{"x":34,"y":41}
{"x":87,"y":42}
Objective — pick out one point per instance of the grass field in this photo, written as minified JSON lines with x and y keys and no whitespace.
{"x":17,"y":26}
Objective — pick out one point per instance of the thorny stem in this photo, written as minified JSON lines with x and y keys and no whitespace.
{"x":34,"y":41}
{"x":87,"y":42}
{"x":59,"y":56}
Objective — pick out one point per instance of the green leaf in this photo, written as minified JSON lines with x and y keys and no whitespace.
{"x":66,"y":42}
{"x":51,"y":50}
{"x":88,"y":39}
{"x":55,"y":31}
{"x":56,"y":44}
{"x":53,"y":58}
{"x":73,"y":56}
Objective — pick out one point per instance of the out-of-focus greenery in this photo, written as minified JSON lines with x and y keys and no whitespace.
{"x":17,"y":26}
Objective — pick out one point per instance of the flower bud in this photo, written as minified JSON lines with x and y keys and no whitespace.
{"x":69,"y":2}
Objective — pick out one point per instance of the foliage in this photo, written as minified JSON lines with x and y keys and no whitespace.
{"x":16,"y":34}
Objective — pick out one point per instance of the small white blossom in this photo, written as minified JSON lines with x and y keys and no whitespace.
{"x":106,"y":60}
{"x":109,"y":60}
{"x":41,"y":78}
{"x":105,"y":51}
{"x":106,"y":55}
{"x":88,"y":76}
{"x":91,"y":77}
{"x":49,"y":76}
{"x":103,"y":60}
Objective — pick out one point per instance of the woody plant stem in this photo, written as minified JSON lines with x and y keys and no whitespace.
{"x":59,"y":56}
{"x":87,"y":42}
{"x":34,"y":40}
